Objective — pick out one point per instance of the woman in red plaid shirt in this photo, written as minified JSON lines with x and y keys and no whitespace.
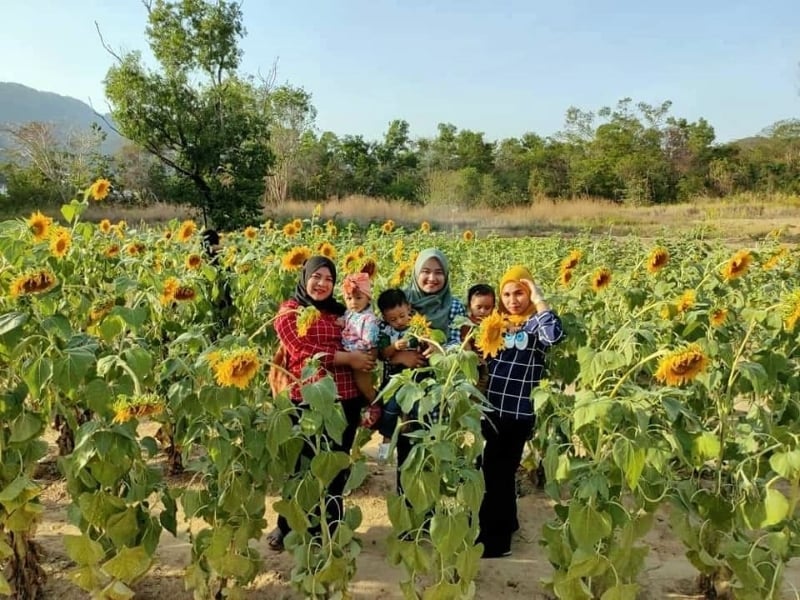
{"x":323,"y":340}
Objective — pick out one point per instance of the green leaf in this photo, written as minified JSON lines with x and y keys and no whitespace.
{"x":327,"y":465}
{"x":705,"y":446}
{"x":129,"y":564}
{"x":26,"y":427}
{"x":630,"y":461}
{"x":116,"y":590}
{"x":293,"y":513}
{"x":5,"y":588}
{"x":140,"y":361}
{"x":12,"y":321}
{"x":776,"y":508}
{"x":123,"y":528}
{"x":13,"y":489}
{"x":83,"y":550}
{"x":69,"y":370}
{"x":442,"y":590}
{"x":786,"y":464}
{"x":37,"y":375}
{"x":57,"y":325}
{"x":588,"y":525}
{"x":621,"y":591}
{"x":358,"y":473}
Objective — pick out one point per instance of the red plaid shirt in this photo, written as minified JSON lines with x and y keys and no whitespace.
{"x":323,"y":336}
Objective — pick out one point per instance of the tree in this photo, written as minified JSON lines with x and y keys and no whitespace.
{"x":196,"y":114}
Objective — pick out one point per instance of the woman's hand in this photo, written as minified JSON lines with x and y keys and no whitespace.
{"x":361,"y":361}
{"x":537,"y":297}
{"x":411,"y":359}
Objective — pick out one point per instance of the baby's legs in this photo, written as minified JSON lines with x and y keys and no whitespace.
{"x":365,"y":385}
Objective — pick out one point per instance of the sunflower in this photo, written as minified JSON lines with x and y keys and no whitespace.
{"x":419,"y":326}
{"x":369,"y":267}
{"x":388,"y":227}
{"x":468,"y":235}
{"x":185,"y":293}
{"x":230,"y":256}
{"x":330,"y":227}
{"x":775,"y":259}
{"x":105,"y":226}
{"x":792,"y":310}
{"x":236,"y":368}
{"x":400,"y":274}
{"x":305,"y":319}
{"x":268,"y":224}
{"x":572,"y":260}
{"x":60,"y":242}
{"x":100,"y":309}
{"x":99,"y":189}
{"x":40,"y":226}
{"x":737,"y":265}
{"x":135,"y":248}
{"x":126,"y":408}
{"x":657,"y":259}
{"x":294,"y":259}
{"x":327,"y":250}
{"x":397,"y":251}
{"x":35,"y":282}
{"x":289,"y":230}
{"x":317,"y":210}
{"x":565,"y":277}
{"x":298,"y":224}
{"x":250,"y":233}
{"x":187,"y":230}
{"x":350,"y":262}
{"x":489,"y":337}
{"x":601,"y":279}
{"x":171,"y":285}
{"x":119,"y":229}
{"x":685,"y":301}
{"x":360,"y":252}
{"x":111,"y":251}
{"x":193,"y":261}
{"x":718,"y":317}
{"x":682,"y":366}
{"x":168,"y":234}
{"x":425,"y":227}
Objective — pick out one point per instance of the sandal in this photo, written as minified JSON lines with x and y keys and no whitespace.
{"x":275,"y":540}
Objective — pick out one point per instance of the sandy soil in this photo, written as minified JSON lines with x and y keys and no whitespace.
{"x":667,"y":574}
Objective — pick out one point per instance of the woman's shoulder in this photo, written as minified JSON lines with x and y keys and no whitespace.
{"x":287,"y":307}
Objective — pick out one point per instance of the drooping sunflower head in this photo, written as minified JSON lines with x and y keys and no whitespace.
{"x":100,"y":309}
{"x":565,"y":277}
{"x":193,"y":262}
{"x":401,"y":274}
{"x":738,"y":265}
{"x":236,"y":367}
{"x":136,"y":407}
{"x":100,"y":189}
{"x":306,"y":318}
{"x":351,"y":262}
{"x":682,"y":366}
{"x":425,"y":227}
{"x":657,"y":259}
{"x":171,"y":285}
{"x":468,"y":235}
{"x":774,"y":260}
{"x":36,"y":282}
{"x":295,"y":258}
{"x":327,"y":250}
{"x":39,"y":225}
{"x":60,"y":242}
{"x":489,"y":337}
{"x":369,"y":267}
{"x":791,"y":310}
{"x":686,"y":301}
{"x":571,"y":261}
{"x":387,"y":227}
{"x":185,"y":293}
{"x":601,"y":279}
{"x":718,"y":317}
{"x":187,"y":230}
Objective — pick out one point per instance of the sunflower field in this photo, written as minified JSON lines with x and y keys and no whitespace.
{"x":676,"y":391}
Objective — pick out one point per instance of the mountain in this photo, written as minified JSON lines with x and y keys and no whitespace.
{"x":22,"y":104}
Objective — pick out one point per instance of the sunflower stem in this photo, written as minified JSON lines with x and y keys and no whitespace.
{"x":633,"y":368}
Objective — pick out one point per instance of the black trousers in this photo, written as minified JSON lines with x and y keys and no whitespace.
{"x":335,"y":500}
{"x":505,"y":441}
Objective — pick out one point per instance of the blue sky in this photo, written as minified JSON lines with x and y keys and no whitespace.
{"x":503,"y":67}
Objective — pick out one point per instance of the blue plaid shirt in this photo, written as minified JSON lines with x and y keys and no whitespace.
{"x":514,"y":372}
{"x":457,"y":308}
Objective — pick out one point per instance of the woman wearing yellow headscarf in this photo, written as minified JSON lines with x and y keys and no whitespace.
{"x":531,"y":327}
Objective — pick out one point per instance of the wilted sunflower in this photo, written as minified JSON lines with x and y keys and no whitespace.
{"x":792,"y":310}
{"x":100,"y":309}
{"x":682,"y":366}
{"x":657,"y":259}
{"x":489,"y":337}
{"x":419,"y":326}
{"x":171,"y":285}
{"x":35,"y":282}
{"x":111,"y":251}
{"x":565,"y":277}
{"x":60,"y":242}
{"x":775,"y":259}
{"x":369,"y":267}
{"x":126,"y":408}
{"x":100,"y":189}
{"x":601,"y":279}
{"x":425,"y":227}
{"x":294,"y":259}
{"x":572,"y":260}
{"x":388,"y":227}
{"x":737,"y":265}
{"x":685,"y":301}
{"x":250,"y":233}
{"x":187,"y":230}
{"x":718,"y":317}
{"x":400,"y":275}
{"x":289,"y":230}
{"x":468,"y":235}
{"x":306,"y":318}
{"x":236,"y":368}
{"x":327,"y":250}
{"x":184,"y":293}
{"x":193,"y":261}
{"x":397,"y":251}
{"x":105,"y":226}
{"x":39,"y":225}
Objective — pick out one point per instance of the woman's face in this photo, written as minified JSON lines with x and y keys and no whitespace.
{"x":320,"y":284}
{"x":516,"y":297}
{"x":431,"y":277}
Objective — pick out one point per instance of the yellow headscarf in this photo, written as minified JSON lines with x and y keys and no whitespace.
{"x":515,"y":275}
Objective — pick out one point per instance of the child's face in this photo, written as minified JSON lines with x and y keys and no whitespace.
{"x":398,"y":317}
{"x":516,"y":297}
{"x":480,"y":306}
{"x":356,"y":300}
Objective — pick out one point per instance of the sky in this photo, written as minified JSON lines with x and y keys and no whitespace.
{"x":504,"y":67}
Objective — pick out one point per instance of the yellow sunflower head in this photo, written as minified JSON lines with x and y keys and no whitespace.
{"x":571,"y":261}
{"x":100,"y":189}
{"x":468,"y":235}
{"x":737,"y":265}
{"x":187,"y":230}
{"x":135,"y":248}
{"x":60,"y":242}
{"x":682,"y":366}
{"x":295,"y":258}
{"x":400,"y":275}
{"x":601,"y":279}
{"x":306,"y":318}
{"x":327,"y":250}
{"x":289,"y":230}
{"x":236,"y":368}
{"x":250,"y":233}
{"x":330,"y":227}
{"x":775,"y":259}
{"x":193,"y":261}
{"x":171,"y":285}
{"x":718,"y":317}
{"x":419,"y":326}
{"x":686,"y":301}
{"x":36,"y":282}
{"x":425,"y":227}
{"x":111,"y":251}
{"x":657,"y":259}
{"x":100,"y":309}
{"x":39,"y":225}
{"x":565,"y":277}
{"x":127,"y":408}
{"x":791,"y":310}
{"x":397,"y":251}
{"x":105,"y":226}
{"x":351,"y":262}
{"x":489,"y":337}
{"x":388,"y":227}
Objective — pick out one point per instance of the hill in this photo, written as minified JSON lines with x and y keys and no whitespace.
{"x":22,"y":104}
